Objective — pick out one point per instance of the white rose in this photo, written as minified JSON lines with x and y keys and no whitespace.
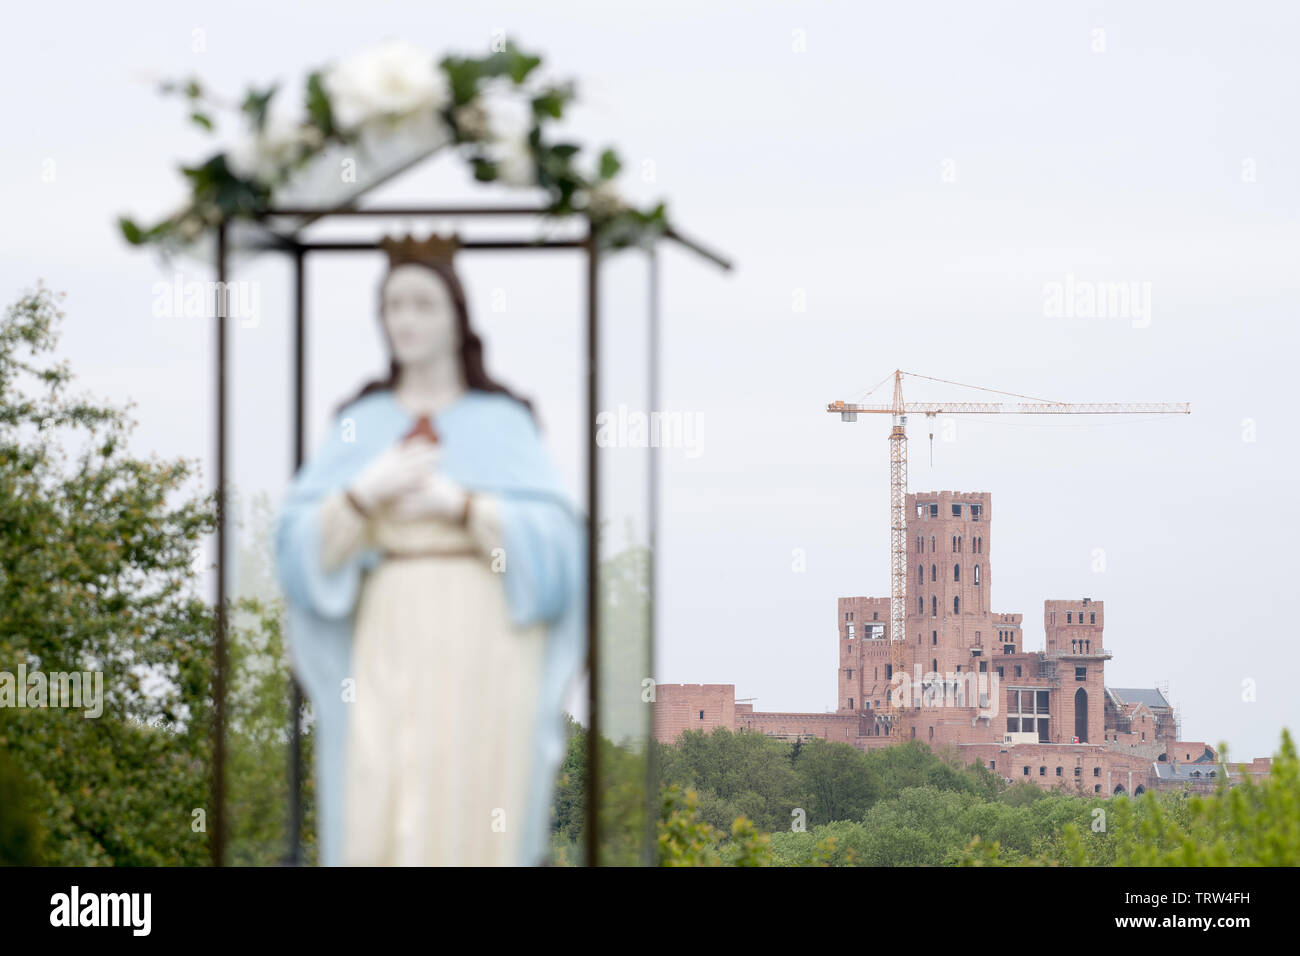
{"x":509,"y":123}
{"x":515,"y":163}
{"x":603,"y":200}
{"x":263,"y":156}
{"x":389,"y":80}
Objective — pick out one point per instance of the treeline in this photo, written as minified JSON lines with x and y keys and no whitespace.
{"x":746,"y":799}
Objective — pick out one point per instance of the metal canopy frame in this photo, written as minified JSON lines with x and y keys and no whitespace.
{"x":299,"y":248}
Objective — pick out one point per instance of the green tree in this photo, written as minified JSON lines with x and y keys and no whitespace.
{"x":735,"y":773}
{"x":913,"y":764}
{"x":97,"y":552}
{"x":837,"y":778}
{"x":568,"y":813}
{"x":683,"y":839}
{"x":100,"y":553}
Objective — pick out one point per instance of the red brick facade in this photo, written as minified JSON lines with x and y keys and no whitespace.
{"x":682,"y":707}
{"x":1044,"y":716}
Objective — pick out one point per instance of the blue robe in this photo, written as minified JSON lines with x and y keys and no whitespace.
{"x":489,"y":444}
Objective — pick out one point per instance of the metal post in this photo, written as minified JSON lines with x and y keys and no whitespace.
{"x":216,"y":840}
{"x":593,"y":553}
{"x":897,"y":554}
{"x":652,"y":521}
{"x":294,"y":853}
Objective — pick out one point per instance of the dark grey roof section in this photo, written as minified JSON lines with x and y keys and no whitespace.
{"x":1138,"y":695}
{"x":1167,"y":771}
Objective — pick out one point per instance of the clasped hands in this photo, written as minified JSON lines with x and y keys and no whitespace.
{"x":406,"y":482}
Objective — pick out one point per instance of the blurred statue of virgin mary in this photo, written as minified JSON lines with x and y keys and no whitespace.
{"x":435,"y":575}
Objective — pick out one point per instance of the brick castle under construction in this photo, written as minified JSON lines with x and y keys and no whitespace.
{"x":970,"y":684}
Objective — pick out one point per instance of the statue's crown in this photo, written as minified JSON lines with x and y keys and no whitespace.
{"x":409,"y":249}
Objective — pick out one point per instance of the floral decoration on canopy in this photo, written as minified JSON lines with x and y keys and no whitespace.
{"x":489,"y":108}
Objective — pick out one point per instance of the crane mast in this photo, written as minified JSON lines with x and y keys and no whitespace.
{"x":898,"y":411}
{"x":897,"y":552}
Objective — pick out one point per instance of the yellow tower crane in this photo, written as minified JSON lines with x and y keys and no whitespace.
{"x":899,"y":410}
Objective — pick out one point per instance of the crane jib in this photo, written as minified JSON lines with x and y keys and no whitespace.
{"x":1023,"y":408}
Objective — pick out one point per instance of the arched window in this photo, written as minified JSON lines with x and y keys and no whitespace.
{"x":956,"y":605}
{"x":931,"y":542}
{"x":920,"y":604}
{"x":956,"y":572}
{"x":954,"y":544}
{"x":920,"y":574}
{"x":1081,"y":715}
{"x":977,"y":575}
{"x":934,"y":572}
{"x":934,"y":606}
{"x":959,"y":544}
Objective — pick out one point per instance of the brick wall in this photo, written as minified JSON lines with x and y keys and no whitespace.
{"x":837,"y":728}
{"x":682,"y":707}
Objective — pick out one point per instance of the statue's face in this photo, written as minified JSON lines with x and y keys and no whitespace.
{"x":419,"y":315}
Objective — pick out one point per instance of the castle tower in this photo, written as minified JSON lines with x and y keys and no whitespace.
{"x":865,"y":668}
{"x":1009,"y":636}
{"x":1074,"y":644}
{"x":949,"y":626}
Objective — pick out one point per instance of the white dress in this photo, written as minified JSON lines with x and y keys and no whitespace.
{"x":439,"y":752}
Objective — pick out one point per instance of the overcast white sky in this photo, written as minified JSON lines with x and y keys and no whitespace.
{"x":916,"y":176}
